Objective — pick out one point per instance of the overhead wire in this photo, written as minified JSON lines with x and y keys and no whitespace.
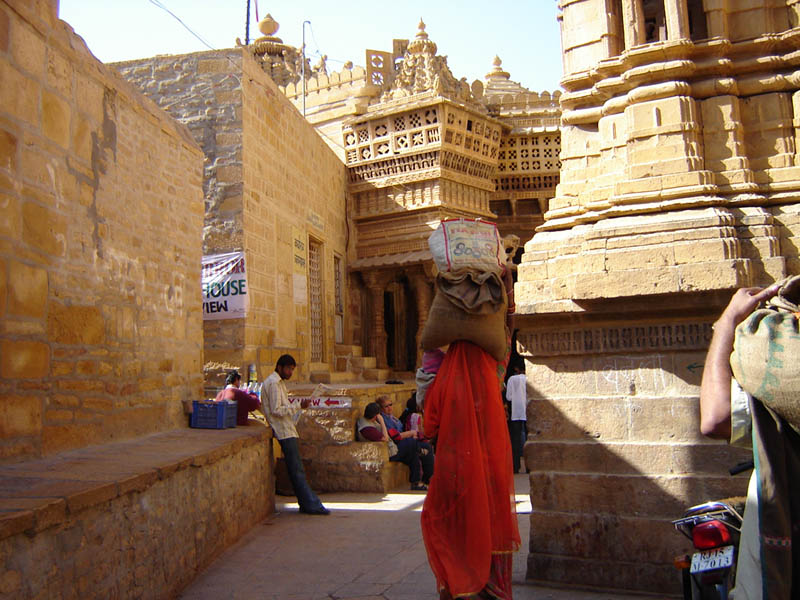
{"x":178,"y":19}
{"x":158,"y":4}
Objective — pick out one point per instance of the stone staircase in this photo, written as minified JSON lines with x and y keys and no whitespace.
{"x":349,"y":365}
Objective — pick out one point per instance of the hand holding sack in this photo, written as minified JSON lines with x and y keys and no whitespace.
{"x":766,"y":350}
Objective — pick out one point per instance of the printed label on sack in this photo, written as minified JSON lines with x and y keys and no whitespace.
{"x":466,"y":244}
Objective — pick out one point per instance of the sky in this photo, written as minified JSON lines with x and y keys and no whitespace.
{"x":523,"y":33}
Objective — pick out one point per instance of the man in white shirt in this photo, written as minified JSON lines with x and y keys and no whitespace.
{"x":517,"y":395}
{"x":283,"y":416}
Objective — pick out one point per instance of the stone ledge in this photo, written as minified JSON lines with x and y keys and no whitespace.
{"x":39,"y":494}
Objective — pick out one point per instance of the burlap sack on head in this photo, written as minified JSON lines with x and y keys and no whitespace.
{"x":766,"y":353}
{"x":468,"y":306}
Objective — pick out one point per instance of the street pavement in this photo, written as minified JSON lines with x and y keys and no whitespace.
{"x":369,"y":548}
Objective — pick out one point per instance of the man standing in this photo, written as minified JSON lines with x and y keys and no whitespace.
{"x":283,"y":416}
{"x":517,"y":395}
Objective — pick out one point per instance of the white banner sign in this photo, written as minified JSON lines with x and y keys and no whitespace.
{"x":324,"y":401}
{"x":224,"y":286}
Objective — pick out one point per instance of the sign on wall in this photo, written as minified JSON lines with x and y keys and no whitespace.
{"x":324,"y":401}
{"x":224,"y":286}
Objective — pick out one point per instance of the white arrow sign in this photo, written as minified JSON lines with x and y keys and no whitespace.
{"x":324,"y":401}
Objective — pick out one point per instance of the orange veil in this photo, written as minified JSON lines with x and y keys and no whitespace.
{"x":468,"y":515}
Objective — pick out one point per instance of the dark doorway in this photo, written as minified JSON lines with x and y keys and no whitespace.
{"x":400,"y":321}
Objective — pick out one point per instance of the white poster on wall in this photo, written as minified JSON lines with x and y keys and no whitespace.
{"x":224,"y":286}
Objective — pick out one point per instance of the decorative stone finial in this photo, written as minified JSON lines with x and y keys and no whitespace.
{"x":421,"y":43}
{"x":497,"y":71}
{"x":268,"y":26}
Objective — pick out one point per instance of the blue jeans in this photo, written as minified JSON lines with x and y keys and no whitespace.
{"x":306,"y":497}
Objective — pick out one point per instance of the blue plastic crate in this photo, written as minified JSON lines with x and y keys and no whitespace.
{"x":209,"y":415}
{"x":230,"y":414}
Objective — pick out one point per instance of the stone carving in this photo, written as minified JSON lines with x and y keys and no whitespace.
{"x":283,"y":63}
{"x":609,"y":340}
{"x":421,"y":70}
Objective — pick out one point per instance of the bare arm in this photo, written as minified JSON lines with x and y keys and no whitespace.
{"x":715,"y":388}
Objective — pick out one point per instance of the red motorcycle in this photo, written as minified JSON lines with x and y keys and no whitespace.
{"x":714,"y":528}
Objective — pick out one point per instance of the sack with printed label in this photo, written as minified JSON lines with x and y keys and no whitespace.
{"x":766,"y":350}
{"x":467,"y":244}
{"x":468,"y":306}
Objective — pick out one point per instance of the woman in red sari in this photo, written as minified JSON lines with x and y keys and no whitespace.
{"x":469,"y":524}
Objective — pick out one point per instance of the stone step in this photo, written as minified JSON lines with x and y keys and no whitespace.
{"x":333,"y":376}
{"x":363,"y":362}
{"x":347,"y":350}
{"x":376,"y":374}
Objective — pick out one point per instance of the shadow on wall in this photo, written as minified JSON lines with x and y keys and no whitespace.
{"x":615,"y":454}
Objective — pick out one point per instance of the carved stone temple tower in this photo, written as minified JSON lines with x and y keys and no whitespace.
{"x":679,"y":183}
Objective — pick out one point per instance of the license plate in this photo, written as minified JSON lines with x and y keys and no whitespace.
{"x":707,"y":560}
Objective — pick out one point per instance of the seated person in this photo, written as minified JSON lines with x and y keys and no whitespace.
{"x":412,"y":417}
{"x":371,"y":428}
{"x":397,"y":432}
{"x":245,"y":402}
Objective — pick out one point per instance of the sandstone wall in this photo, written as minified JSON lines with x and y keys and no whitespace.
{"x":294,"y":202}
{"x":203,"y":91}
{"x":133,"y":519}
{"x":614,"y":448}
{"x":273,"y":189}
{"x":100,"y":330}
{"x":679,"y":183}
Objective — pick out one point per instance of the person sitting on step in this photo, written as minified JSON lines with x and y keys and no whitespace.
{"x":372,"y":428}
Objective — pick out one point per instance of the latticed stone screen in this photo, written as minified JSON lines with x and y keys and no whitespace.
{"x":398,"y":134}
{"x":315,"y":297}
{"x":528,"y":162}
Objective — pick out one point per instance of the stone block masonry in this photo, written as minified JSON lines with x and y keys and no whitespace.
{"x":135,"y":519}
{"x":273,"y":189}
{"x":100,"y":336}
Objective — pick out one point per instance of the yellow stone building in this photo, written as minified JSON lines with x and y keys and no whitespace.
{"x":679,"y":183}
{"x":409,"y":145}
{"x":420,"y":146}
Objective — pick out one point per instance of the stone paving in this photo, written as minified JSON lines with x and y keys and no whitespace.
{"x":369,"y":548}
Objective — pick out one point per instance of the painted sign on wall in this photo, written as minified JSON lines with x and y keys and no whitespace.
{"x":224,"y":286}
{"x":324,"y":401}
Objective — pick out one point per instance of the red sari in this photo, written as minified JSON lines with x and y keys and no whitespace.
{"x":469,"y":524}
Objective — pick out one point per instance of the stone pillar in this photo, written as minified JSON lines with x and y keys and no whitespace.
{"x":716,"y":17}
{"x":677,"y":19}
{"x":796,"y":123}
{"x":423,"y":296}
{"x":376,"y":284}
{"x":633,"y":22}
{"x":725,"y":153}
